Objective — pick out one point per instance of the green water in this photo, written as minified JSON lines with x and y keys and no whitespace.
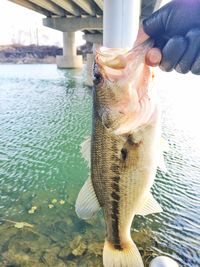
{"x":45,"y":114}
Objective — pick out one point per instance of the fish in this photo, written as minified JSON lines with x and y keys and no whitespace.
{"x":123,"y":151}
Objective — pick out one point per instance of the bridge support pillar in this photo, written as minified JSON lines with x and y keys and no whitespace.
{"x":90,"y":61}
{"x":69,"y":60}
{"x":96,"y":40}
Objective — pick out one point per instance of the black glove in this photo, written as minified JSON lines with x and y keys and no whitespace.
{"x":176,"y":31}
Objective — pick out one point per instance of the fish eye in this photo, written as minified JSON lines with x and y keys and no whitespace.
{"x":97,"y":77}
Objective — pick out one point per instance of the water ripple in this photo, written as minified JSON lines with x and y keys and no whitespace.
{"x":45,"y":114}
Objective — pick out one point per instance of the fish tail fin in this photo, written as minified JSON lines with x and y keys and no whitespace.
{"x":129,"y":256}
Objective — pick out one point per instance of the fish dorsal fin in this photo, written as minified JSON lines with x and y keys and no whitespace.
{"x":150,"y":206}
{"x":87,"y":204}
{"x":85,"y":149}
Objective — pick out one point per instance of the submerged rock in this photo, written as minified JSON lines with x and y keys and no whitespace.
{"x":51,"y":259}
{"x":65,"y":252}
{"x":61,"y":226}
{"x":75,"y":248}
{"x":75,"y":242}
{"x":5,"y":234}
{"x":79,"y":250}
{"x":28,"y":235}
{"x":14,"y":258}
{"x":90,"y":261}
{"x":71,"y":264}
{"x":59,"y":239}
{"x":69,"y":221}
{"x":143,"y":238}
{"x":78,"y":246}
{"x":96,"y":248}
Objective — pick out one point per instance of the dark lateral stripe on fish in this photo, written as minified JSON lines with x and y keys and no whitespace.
{"x":114,"y":148}
{"x":114,"y":158}
{"x":115,"y":196}
{"x":115,"y":225}
{"x":115,"y":186}
{"x":115,"y":168}
{"x":115,"y":208}
{"x":116,"y":179}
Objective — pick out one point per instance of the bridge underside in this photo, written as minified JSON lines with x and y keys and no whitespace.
{"x":64,"y":8}
{"x":69,"y":16}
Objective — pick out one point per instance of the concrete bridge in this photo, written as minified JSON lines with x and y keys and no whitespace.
{"x":69,"y":16}
{"x":117,"y":28}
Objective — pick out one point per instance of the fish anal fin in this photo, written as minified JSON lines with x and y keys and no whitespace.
{"x":150,"y":206}
{"x":87,"y":204}
{"x":85,"y":149}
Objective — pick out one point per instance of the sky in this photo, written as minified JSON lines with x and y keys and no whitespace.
{"x":21,"y":25}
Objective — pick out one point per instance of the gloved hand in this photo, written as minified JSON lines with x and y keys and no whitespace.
{"x":175,"y":29}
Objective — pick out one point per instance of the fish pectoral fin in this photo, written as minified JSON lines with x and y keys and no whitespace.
{"x":87,"y":204}
{"x":85,"y":149}
{"x":150,"y":206}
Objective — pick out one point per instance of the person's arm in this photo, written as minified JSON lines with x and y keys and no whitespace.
{"x":175,"y":29}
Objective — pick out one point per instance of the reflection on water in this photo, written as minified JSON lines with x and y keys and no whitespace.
{"x":45,"y":114}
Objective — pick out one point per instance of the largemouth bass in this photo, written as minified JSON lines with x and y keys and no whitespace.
{"x":125,"y":150}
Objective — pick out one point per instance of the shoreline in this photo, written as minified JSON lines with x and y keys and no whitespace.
{"x":20,"y":61}
{"x":33,"y":54}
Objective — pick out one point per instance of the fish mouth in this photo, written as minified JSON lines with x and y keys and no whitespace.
{"x":120,"y":62}
{"x":112,"y":62}
{"x":115,"y":58}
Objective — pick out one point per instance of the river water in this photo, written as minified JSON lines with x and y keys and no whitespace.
{"x":45,"y":114}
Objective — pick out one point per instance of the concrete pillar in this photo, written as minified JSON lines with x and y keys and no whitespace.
{"x":69,"y":59}
{"x":69,"y":48}
{"x":120,"y":23}
{"x":90,"y":61}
